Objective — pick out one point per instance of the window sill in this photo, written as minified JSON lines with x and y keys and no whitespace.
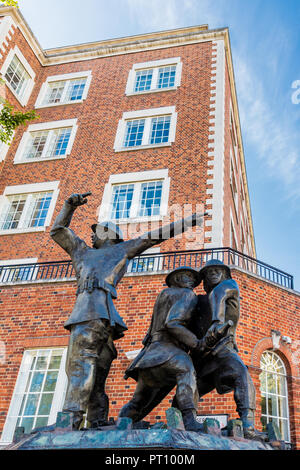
{"x":146,"y":92}
{"x":35,"y":160}
{"x":135,"y":220}
{"x":50,"y":105}
{"x":22,"y":230}
{"x":142,"y":147}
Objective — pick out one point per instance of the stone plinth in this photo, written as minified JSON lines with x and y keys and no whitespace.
{"x":133,"y":439}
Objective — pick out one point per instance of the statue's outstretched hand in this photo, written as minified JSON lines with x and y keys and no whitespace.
{"x":78,"y":199}
{"x":213,"y":335}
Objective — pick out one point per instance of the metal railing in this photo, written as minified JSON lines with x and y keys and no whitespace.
{"x":151,"y":263}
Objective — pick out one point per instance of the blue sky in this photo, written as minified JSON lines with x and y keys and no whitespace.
{"x":265,"y":43}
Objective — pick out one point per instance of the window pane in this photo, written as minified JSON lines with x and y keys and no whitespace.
{"x":13,"y":213}
{"x":17,"y":76}
{"x":150,"y":198}
{"x":143,"y":80}
{"x":50,"y":383}
{"x":134,"y":133}
{"x":28,"y":424}
{"x":160,"y":129}
{"x":41,"y":422}
{"x":75,"y":89}
{"x":37,"y":382}
{"x":166,"y":77}
{"x":36,"y":144}
{"x":55,"y":360}
{"x":59,"y":142}
{"x":121,"y":201}
{"x":45,"y":404}
{"x":31,"y":404}
{"x":39,"y":209}
{"x":54,"y":92}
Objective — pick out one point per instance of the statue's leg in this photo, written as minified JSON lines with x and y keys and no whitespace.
{"x":81,"y":366}
{"x":98,"y":406}
{"x":141,"y":397}
{"x":181,"y":367}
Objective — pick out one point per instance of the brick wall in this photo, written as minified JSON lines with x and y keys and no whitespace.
{"x":93,"y":159}
{"x":32,"y":316}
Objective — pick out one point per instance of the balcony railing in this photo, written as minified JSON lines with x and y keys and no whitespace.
{"x":150,"y":263}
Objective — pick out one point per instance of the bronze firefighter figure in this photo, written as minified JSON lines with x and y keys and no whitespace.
{"x":164,"y":362}
{"x":94,"y":322}
{"x":220,"y":367}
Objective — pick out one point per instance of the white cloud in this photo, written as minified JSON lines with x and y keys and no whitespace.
{"x":154,"y":15}
{"x":269,"y":129}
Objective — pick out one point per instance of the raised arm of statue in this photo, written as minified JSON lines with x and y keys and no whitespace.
{"x":139,"y":245}
{"x":61,"y":234}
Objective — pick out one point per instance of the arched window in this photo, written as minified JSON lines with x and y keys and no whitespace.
{"x":274,"y":396}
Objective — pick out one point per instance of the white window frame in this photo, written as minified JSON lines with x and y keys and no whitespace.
{"x":146,"y":114}
{"x":67,"y":77}
{"x":267,"y":394}
{"x":19,"y":390}
{"x":136,"y":178}
{"x":16,"y":263}
{"x":155,"y":65}
{"x":30,"y":189}
{"x":26,"y":92}
{"x":45,"y":126}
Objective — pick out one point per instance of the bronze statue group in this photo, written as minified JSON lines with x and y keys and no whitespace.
{"x":190,"y":343}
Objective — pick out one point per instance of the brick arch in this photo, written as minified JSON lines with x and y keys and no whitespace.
{"x":284,"y":352}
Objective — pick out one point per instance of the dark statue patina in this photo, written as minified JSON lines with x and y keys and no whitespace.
{"x":220,"y":367}
{"x":94,"y":322}
{"x":164,"y":362}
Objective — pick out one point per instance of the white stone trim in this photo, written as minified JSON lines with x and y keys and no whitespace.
{"x":137,"y":177}
{"x":6,"y":24}
{"x":63,"y":77}
{"x":29,"y":189}
{"x":26,"y":92}
{"x":155,"y":65}
{"x":147,"y":114}
{"x":19,"y":156}
{"x":218,"y":114}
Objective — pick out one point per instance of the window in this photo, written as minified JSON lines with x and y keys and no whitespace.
{"x":64,"y":89}
{"x":39,"y":391}
{"x":274,"y":395}
{"x":135,"y":196}
{"x":148,"y":128}
{"x":27,"y":211}
{"x":47,"y":141}
{"x":18,"y":75}
{"x":159,"y":75}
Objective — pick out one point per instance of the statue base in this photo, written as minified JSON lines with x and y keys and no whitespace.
{"x":135,"y":439}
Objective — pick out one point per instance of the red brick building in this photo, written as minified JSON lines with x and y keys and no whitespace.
{"x":150,"y":125}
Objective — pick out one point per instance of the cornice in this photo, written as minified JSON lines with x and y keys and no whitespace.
{"x":111,"y":47}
